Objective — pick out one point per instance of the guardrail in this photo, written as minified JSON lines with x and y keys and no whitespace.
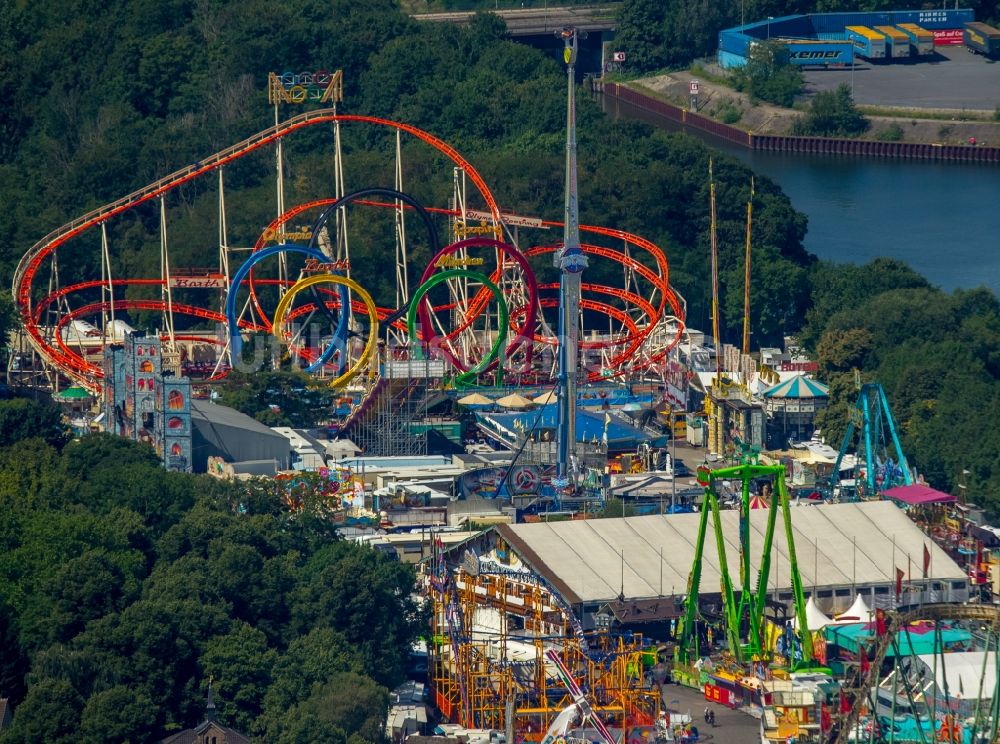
{"x":677,"y":115}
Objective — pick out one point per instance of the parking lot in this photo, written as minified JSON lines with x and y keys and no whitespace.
{"x":953,"y":79}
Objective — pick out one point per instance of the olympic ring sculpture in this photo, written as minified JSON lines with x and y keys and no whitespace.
{"x":525,"y":333}
{"x":342,"y":281}
{"x":411,"y":318}
{"x":344,"y":201}
{"x":236,"y":341}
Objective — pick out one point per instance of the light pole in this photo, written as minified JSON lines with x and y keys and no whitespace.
{"x":769,"y":19}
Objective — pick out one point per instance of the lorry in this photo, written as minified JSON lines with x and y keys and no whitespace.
{"x":981,"y":39}
{"x":897,"y":41}
{"x":921,"y":40}
{"x":868,"y":43}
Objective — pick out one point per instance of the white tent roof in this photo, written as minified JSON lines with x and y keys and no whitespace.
{"x":815,"y":617}
{"x":584,"y":558}
{"x":963,"y":671}
{"x":859,"y":612}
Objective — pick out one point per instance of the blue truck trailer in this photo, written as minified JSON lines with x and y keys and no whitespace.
{"x":921,"y":40}
{"x":868,"y":43}
{"x":898,"y":42}
{"x":981,"y":39}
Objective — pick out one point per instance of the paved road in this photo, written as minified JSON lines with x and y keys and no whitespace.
{"x":534,"y":21}
{"x":731,"y":726}
{"x":955,"y":79}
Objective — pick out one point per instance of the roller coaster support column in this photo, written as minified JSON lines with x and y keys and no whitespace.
{"x":571,"y":262}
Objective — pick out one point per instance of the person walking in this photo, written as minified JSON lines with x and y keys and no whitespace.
{"x":707,"y":714}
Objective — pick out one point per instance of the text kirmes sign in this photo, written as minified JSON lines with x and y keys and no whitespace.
{"x":299,"y":87}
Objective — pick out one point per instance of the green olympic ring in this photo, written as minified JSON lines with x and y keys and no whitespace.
{"x":498,"y":344}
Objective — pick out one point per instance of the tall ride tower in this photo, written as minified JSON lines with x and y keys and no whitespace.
{"x":571,"y":262}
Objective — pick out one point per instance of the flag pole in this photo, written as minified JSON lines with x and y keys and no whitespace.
{"x":854,"y":563}
{"x":894,"y":574}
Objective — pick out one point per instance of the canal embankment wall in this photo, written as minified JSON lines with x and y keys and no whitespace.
{"x":656,"y":111}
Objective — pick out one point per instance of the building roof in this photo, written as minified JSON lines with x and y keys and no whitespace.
{"x":964,"y":673}
{"x":798,"y":386}
{"x":220,"y":430}
{"x":197,"y":734}
{"x":590,"y":425}
{"x":218,"y":415}
{"x":584,"y":559}
{"x":918,"y":493}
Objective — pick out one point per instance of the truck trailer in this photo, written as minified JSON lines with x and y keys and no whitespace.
{"x":921,"y":40}
{"x":867,"y":43}
{"x":898,"y":42}
{"x":981,"y":39}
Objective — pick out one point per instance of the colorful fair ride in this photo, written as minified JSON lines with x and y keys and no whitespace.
{"x":743,"y":612}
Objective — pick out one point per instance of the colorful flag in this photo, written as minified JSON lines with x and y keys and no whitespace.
{"x":927,"y":560}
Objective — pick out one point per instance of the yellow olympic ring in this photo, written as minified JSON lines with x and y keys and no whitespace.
{"x":286,"y":302}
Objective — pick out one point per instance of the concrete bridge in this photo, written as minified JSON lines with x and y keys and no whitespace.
{"x":540,"y":21}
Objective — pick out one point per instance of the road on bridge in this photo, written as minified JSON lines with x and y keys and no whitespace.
{"x":534,"y":21}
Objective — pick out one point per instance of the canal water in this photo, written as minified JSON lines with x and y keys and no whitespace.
{"x":942,"y":219}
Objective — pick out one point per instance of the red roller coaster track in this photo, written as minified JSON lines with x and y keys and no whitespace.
{"x":57,"y":353}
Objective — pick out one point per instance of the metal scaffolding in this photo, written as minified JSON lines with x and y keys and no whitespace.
{"x":491,"y":632}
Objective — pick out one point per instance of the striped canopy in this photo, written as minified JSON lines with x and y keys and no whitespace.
{"x":799,"y":386}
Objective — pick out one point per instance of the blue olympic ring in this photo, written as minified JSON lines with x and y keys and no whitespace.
{"x":339,"y":335}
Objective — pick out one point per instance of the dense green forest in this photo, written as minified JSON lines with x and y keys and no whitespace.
{"x":122,"y":587}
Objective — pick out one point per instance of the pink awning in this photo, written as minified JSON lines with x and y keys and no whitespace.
{"x":919,"y":494}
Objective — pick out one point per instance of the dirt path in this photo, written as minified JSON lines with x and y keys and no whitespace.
{"x":764,"y":118}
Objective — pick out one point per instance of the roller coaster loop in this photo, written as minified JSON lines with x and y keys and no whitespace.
{"x":235,"y":341}
{"x":411,"y":317}
{"x":525,"y":333}
{"x":342,"y":281}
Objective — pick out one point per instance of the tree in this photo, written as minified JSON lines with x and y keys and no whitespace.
{"x":119,"y":713}
{"x":22,"y":418}
{"x":312,"y":659}
{"x":240,"y":663}
{"x":640,"y":33}
{"x":352,"y":589}
{"x":832,"y":113}
{"x":7,"y":319}
{"x":768,"y":75}
{"x":50,"y":713}
{"x":347,"y":703}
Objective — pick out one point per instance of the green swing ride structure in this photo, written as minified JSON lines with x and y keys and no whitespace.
{"x":743,"y":615}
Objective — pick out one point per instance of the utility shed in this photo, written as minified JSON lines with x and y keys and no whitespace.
{"x":841,"y":550}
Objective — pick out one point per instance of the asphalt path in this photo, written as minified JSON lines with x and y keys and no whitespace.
{"x":953,"y":79}
{"x":731,"y":726}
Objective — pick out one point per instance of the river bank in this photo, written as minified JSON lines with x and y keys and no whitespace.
{"x":942,"y":213}
{"x":942,"y":126}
